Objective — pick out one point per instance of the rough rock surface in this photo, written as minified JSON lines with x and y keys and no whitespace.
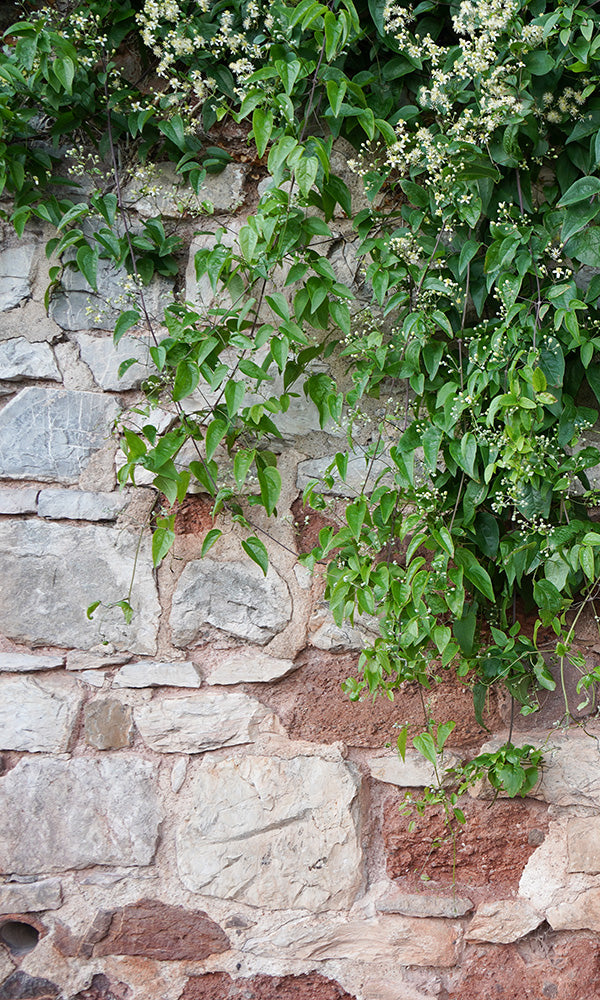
{"x":81,"y":505}
{"x":148,"y":673}
{"x":104,"y":359}
{"x":249,"y":666}
{"x":15,"y":269}
{"x":19,"y":359}
{"x":413,"y":771}
{"x":26,"y":663}
{"x":78,"y":307}
{"x":273,"y":833}
{"x":37,"y":715}
{"x":218,"y":985}
{"x":107,"y":724}
{"x":503,"y":921}
{"x":19,"y":501}
{"x":94,"y":830}
{"x":51,"y":434}
{"x":30,"y":897}
{"x":423,"y":904}
{"x":45,"y":589}
{"x":233,"y":596}
{"x":165,"y":192}
{"x":203,"y":722}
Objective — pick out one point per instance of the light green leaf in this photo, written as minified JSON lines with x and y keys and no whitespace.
{"x":215,"y":433}
{"x":255,"y":549}
{"x":162,"y":540}
{"x":209,"y":540}
{"x":270,"y":487}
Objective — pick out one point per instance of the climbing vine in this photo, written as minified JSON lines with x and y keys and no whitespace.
{"x":476,"y":326}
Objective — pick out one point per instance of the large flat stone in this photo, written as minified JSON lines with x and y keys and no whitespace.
{"x":412,"y":772}
{"x":577,"y":913}
{"x":233,"y":596}
{"x":203,"y":722}
{"x":163,"y":932}
{"x":107,"y":723}
{"x":81,"y":505}
{"x":15,"y":270}
{"x":18,"y":501}
{"x":103,"y":359}
{"x":20,"y":663}
{"x":30,"y":897}
{"x":164,"y":192}
{"x":52,"y":572}
{"x":503,"y":921}
{"x":61,"y":814}
{"x":38,"y":716}
{"x":583,"y":844}
{"x":20,"y":359}
{"x":152,"y":673}
{"x":423,"y":904}
{"x":249,"y":666}
{"x":273,"y":833}
{"x":78,"y":307}
{"x":51,"y":434}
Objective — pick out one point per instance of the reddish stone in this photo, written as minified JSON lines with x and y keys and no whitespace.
{"x":81,"y":945}
{"x":220,"y":986}
{"x":21,"y":986}
{"x":157,"y":930}
{"x":312,"y":706}
{"x":492,"y":848}
{"x":101,"y":988}
{"x":544,"y":966}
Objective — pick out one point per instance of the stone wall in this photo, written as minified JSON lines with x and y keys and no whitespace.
{"x":191,"y":810}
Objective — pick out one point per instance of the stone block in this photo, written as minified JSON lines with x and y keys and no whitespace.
{"x":273,"y":833}
{"x":249,"y":666}
{"x":18,"y":501}
{"x":503,"y":921}
{"x":37,"y":716}
{"x":51,"y":434}
{"x":164,"y":192}
{"x":412,"y":772}
{"x":30,"y":897}
{"x":103,"y":359}
{"x":19,"y":359}
{"x":583,"y":844}
{"x":15,"y":270}
{"x":107,"y":724}
{"x":53,"y":572}
{"x":81,"y":505}
{"x":162,"y":932}
{"x":423,"y":904}
{"x":151,"y":673}
{"x":232,"y":596}
{"x":112,"y":816}
{"x":16,"y":663}
{"x":362,"y":475}
{"x":203,"y":722}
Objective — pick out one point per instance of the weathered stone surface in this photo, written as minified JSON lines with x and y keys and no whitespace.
{"x":323,"y":633}
{"x":37,"y":716}
{"x":165,"y":193}
{"x":273,"y":833}
{"x":20,"y":359}
{"x":95,"y":659}
{"x":203,"y":722}
{"x":24,"y":662}
{"x":107,"y":724}
{"x":30,"y":897}
{"x":503,"y":921}
{"x":53,"y":572}
{"x":156,"y":930}
{"x":232,"y":596}
{"x":15,"y":270}
{"x":412,"y":772}
{"x":81,"y":505}
{"x":19,"y":501}
{"x":580,"y":912}
{"x":178,"y":773}
{"x":583,"y":844}
{"x":22,"y":986}
{"x":402,"y":940}
{"x":217,"y":985}
{"x":95,"y":678}
{"x":362,"y":474}
{"x":200,"y":292}
{"x":423,"y":904}
{"x":112,"y":816}
{"x":249,"y":666}
{"x":103,"y":359}
{"x":51,"y":434}
{"x":152,"y":673}
{"x":78,"y":307}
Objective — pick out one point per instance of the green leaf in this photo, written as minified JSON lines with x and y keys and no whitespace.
{"x":241,"y":464}
{"x":209,"y":540}
{"x":186,"y":379}
{"x":401,"y":742}
{"x":215,"y":433}
{"x":547,"y":597}
{"x":255,"y":549}
{"x":270,"y":487}
{"x":92,"y":607}
{"x":581,"y":190}
{"x":125,"y":321}
{"x":426,"y":747}
{"x":234,"y":396}
{"x":306,"y":173}
{"x":87,"y":262}
{"x":65,"y":71}
{"x":585,"y":246}
{"x":355,"y":516}
{"x":262,"y":127}
{"x":475,"y":573}
{"x":162,"y":540}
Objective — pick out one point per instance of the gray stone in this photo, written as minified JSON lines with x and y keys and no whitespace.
{"x":20,"y":359}
{"x":249,"y":666}
{"x":203,"y":722}
{"x":15,"y":270}
{"x":95,"y":660}
{"x":53,"y":572}
{"x":583,"y":844}
{"x":323,"y":633}
{"x":273,"y":833}
{"x":581,"y":912}
{"x":19,"y":501}
{"x":25,"y":662}
{"x":95,"y":678}
{"x":37,"y":716}
{"x":412,"y":772}
{"x":178,"y":772}
{"x":103,"y":359}
{"x":233,"y":596}
{"x":200,"y":292}
{"x":81,"y":505}
{"x":503,"y":921}
{"x":107,"y":724}
{"x":424,"y":904}
{"x":148,"y":673}
{"x":162,"y":191}
{"x":51,"y":434}
{"x":30,"y":897}
{"x":61,"y":814}
{"x":362,"y":475}
{"x":78,"y":307}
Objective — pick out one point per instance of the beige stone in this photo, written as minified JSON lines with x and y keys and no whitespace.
{"x":579,"y":913}
{"x":503,"y":921}
{"x":583,"y":844}
{"x":249,"y":666}
{"x":204,"y":721}
{"x":107,"y":724}
{"x":423,"y":904}
{"x":412,"y":772}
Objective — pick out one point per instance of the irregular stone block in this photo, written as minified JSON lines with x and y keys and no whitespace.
{"x":309,"y":986}
{"x":95,"y":660}
{"x":51,"y":434}
{"x":103,"y":359}
{"x":148,"y":673}
{"x":163,"y":932}
{"x":204,"y":722}
{"x":423,"y":904}
{"x":78,"y":307}
{"x":107,"y":724}
{"x":20,"y":501}
{"x":22,"y":986}
{"x":583,"y":844}
{"x":24,"y":663}
{"x":81,"y":505}
{"x":580,"y":912}
{"x":273,"y":833}
{"x":53,"y":572}
{"x":412,"y":772}
{"x":249,"y":667}
{"x":503,"y":921}
{"x":112,"y":816}
{"x":233,"y":596}
{"x":15,"y":270}
{"x":164,"y":192}
{"x":30,"y":897}
{"x":37,"y":716}
{"x":20,"y":359}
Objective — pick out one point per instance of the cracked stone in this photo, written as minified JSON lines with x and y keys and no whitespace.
{"x":203,"y":722}
{"x":148,"y":673}
{"x":37,"y":716}
{"x":20,"y":359}
{"x":103,"y":359}
{"x":81,"y":505}
{"x":15,"y":270}
{"x":107,"y":724}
